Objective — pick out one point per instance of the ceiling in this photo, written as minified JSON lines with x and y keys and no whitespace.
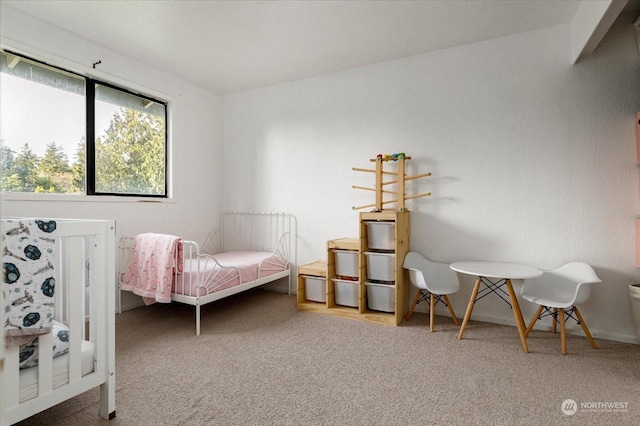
{"x":232,"y":46}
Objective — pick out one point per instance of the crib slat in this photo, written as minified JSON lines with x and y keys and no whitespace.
{"x":60,"y":274}
{"x":104,"y":278}
{"x":90,"y":287}
{"x":76,"y":266}
{"x":45,"y":363}
{"x":11,"y":374}
{"x":98,"y":289}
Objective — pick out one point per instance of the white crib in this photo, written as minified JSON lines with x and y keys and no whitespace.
{"x":85,"y":302}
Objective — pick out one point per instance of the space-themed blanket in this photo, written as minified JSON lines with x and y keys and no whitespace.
{"x":28,"y":278}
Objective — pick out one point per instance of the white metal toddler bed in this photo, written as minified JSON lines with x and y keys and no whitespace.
{"x":249,"y":250}
{"x":76,"y":279}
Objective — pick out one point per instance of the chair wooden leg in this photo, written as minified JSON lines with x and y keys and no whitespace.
{"x":453,"y":314}
{"x":534,"y":320}
{"x":432,"y":311}
{"x":563,"y":333}
{"x":585,"y":328}
{"x":555,"y":320}
{"x":413,"y":305}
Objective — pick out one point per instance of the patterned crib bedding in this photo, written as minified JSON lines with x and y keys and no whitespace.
{"x":28,"y":278}
{"x":29,"y":352}
{"x":226,"y":270}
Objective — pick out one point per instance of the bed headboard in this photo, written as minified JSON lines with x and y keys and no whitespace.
{"x":259,"y":231}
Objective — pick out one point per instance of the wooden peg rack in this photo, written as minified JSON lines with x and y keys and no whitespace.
{"x":400,"y":180}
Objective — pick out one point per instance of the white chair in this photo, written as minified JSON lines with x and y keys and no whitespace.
{"x":558,"y":292}
{"x":434,"y":281}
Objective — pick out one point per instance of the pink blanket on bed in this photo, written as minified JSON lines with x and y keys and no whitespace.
{"x":152,"y":267}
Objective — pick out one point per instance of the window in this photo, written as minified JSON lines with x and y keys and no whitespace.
{"x":68,"y":134}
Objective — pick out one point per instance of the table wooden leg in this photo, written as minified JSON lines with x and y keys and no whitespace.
{"x":467,"y":314}
{"x":517,"y":314}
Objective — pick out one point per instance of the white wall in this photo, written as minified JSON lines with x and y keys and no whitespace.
{"x":195,"y":137}
{"x":533,"y":159}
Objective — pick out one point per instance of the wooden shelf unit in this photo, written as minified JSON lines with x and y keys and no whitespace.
{"x":360,"y":245}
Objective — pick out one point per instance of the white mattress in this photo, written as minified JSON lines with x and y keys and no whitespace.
{"x":29,"y":376}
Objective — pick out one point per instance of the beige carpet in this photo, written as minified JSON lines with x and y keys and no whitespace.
{"x":261,"y":362}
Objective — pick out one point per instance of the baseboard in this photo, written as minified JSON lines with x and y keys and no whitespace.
{"x":275,"y":288}
{"x":598,"y":334}
{"x":281,"y":285}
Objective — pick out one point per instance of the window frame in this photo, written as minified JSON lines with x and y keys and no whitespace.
{"x":90,"y":136}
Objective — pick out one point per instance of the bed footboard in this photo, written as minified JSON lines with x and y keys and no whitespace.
{"x":85,"y":303}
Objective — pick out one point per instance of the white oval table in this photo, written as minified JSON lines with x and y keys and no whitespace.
{"x":494,"y":276}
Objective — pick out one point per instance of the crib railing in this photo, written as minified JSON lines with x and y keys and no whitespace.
{"x":85,"y":302}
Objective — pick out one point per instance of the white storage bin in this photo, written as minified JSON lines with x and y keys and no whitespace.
{"x":346,"y":292}
{"x":381,"y":235}
{"x":381,"y":297}
{"x":315,"y":288}
{"x":346,"y":263}
{"x":381,"y":266}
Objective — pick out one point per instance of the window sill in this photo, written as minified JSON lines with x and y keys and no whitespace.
{"x":80,"y":198}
